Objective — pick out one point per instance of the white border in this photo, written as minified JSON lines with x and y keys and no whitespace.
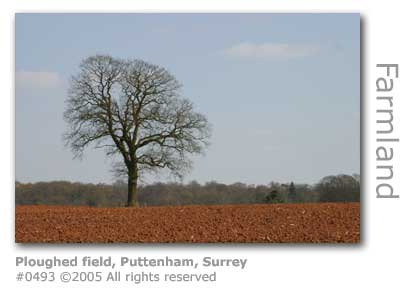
{"x":379,"y":264}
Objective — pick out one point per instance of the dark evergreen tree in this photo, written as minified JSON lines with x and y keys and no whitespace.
{"x":272,"y":196}
{"x":291,"y":192}
{"x":291,"y":189}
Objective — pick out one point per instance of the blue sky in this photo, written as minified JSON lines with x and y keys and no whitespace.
{"x":282,"y":91}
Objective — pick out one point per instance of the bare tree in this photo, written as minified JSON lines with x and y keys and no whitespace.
{"x":134,"y":109}
{"x":339,"y":188}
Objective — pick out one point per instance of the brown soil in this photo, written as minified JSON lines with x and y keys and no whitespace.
{"x":324,"y":222}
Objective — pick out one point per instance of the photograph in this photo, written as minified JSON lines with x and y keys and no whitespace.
{"x":188,"y":128}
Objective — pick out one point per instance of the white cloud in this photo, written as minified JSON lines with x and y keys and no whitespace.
{"x":271,"y":50}
{"x":38,"y":79}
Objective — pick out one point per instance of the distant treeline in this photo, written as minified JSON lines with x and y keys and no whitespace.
{"x":338,"y":188}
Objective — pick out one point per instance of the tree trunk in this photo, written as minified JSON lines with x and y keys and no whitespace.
{"x":132,"y":192}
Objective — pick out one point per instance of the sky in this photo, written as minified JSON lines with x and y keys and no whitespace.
{"x":281,"y":91}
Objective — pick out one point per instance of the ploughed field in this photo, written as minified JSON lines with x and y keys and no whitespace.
{"x":315,"y":222}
